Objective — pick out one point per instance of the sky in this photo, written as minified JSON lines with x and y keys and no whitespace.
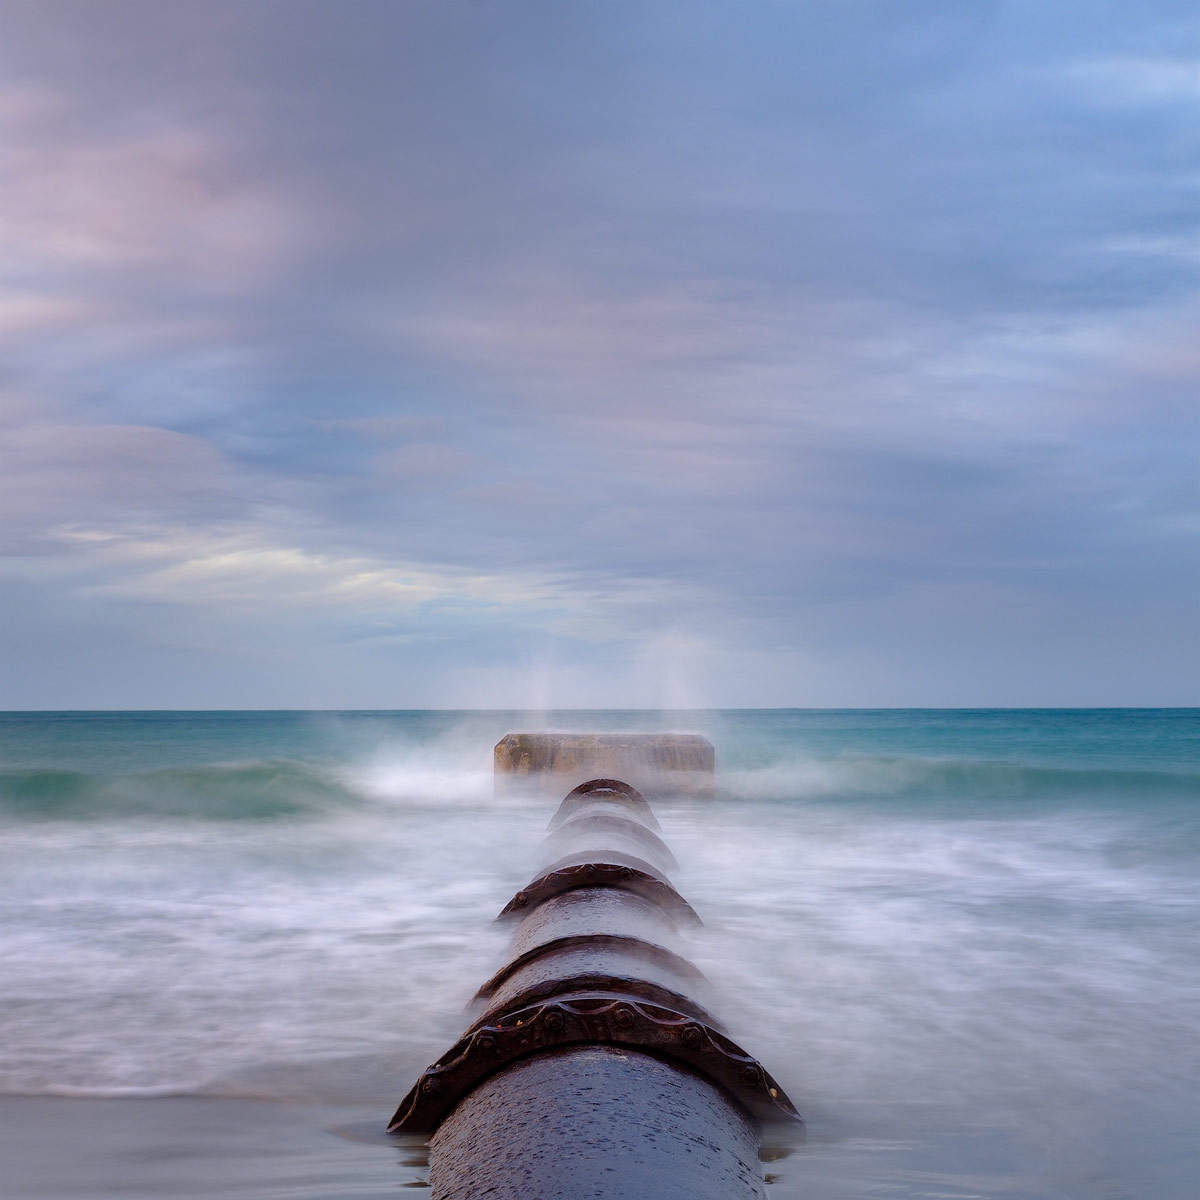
{"x":499,"y":353}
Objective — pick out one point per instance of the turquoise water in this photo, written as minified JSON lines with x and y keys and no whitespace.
{"x":964,"y":941}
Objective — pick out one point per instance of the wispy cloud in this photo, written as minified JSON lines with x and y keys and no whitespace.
{"x":242,"y":570}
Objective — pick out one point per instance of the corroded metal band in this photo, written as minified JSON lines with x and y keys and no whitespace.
{"x":604,"y":854}
{"x":608,"y":1019}
{"x":636,"y":948}
{"x":600,"y":874}
{"x":630,"y":796}
{"x":596,"y":983}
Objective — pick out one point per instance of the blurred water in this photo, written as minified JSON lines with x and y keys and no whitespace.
{"x":964,"y":941}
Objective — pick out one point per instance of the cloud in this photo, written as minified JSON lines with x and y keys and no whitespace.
{"x":540,"y":335}
{"x":63,"y":475}
{"x":162,"y":198}
{"x":241,"y":570}
{"x":1122,"y":80}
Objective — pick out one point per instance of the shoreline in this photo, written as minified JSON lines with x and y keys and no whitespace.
{"x":69,"y":1148}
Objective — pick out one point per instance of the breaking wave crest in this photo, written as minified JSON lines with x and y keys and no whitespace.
{"x":247,"y":791}
{"x":237,"y":791}
{"x":258,"y":791}
{"x":915,"y":778}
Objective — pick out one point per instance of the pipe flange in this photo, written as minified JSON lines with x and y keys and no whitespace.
{"x":605,"y":789}
{"x":596,"y":1019}
{"x":600,"y":874}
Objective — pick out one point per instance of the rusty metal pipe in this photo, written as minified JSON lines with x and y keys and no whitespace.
{"x":593,"y":1066}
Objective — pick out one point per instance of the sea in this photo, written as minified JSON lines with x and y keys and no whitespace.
{"x":967,"y":943}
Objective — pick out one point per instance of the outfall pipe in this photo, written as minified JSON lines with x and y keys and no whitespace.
{"x":594,"y":1066}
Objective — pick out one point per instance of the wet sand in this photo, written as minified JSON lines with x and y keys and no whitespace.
{"x":200,"y":1147}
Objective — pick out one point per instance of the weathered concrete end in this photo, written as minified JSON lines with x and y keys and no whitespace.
{"x":657,"y":764}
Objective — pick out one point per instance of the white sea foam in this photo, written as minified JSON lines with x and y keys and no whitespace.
{"x":1008,"y":969}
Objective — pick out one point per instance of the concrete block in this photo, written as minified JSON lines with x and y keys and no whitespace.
{"x":657,"y":764}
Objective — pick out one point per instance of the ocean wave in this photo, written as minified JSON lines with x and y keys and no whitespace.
{"x":235,"y":791}
{"x":912,"y":777}
{"x":65,"y":1091}
{"x":265,"y":790}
